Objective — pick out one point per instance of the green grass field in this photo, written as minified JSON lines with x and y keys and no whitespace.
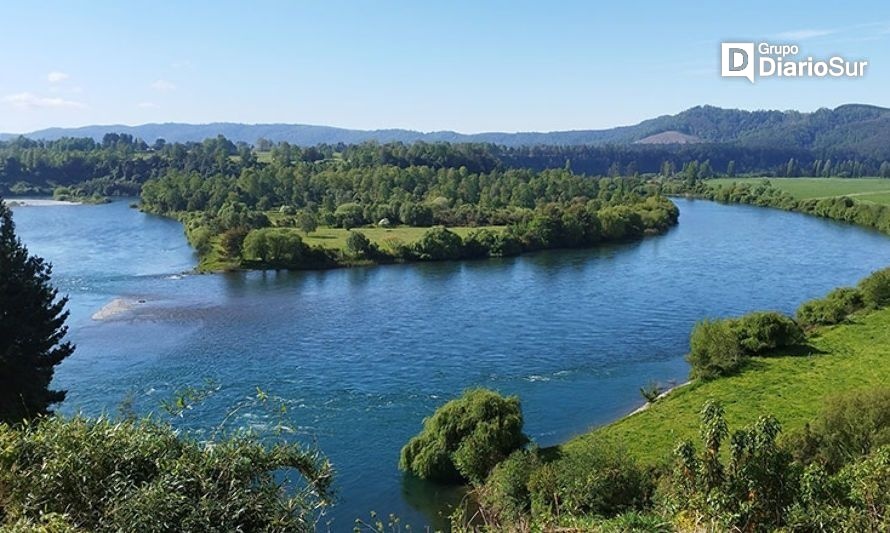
{"x":863,"y":189}
{"x":333,"y":239}
{"x":792,"y":388}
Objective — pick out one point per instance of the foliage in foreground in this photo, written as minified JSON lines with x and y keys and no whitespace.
{"x":102,"y":475}
{"x":760,"y":483}
{"x":465,"y":438}
{"x":32,"y":328}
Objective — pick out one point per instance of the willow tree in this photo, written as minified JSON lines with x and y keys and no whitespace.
{"x":32,"y":329}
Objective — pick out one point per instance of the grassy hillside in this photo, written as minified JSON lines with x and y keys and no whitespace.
{"x":863,"y":189}
{"x":791,"y":387}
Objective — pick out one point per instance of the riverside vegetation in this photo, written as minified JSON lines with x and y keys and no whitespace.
{"x":78,"y":474}
{"x":830,"y":474}
{"x":828,"y":470}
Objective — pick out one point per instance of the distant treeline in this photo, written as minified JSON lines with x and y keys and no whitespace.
{"x":764,"y":194}
{"x":120,"y":163}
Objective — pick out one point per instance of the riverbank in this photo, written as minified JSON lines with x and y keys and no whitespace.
{"x":792,"y":387}
{"x":39,"y":202}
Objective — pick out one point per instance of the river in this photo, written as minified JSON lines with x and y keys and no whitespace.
{"x":360,"y":356}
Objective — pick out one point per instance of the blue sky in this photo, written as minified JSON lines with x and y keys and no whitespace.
{"x":468,"y":66}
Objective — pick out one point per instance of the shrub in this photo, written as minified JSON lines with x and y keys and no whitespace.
{"x":101,"y":475}
{"x":749,"y":493}
{"x":505,"y":495}
{"x":714,"y":349}
{"x":465,"y":438}
{"x":439,"y":243}
{"x":596,"y":479}
{"x":479,"y":243}
{"x":762,"y":332}
{"x":850,"y":425}
{"x":876,"y":289}
{"x":833,"y":309}
{"x":720,"y":347}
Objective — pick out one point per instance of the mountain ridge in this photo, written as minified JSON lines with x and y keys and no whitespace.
{"x":860,"y":127}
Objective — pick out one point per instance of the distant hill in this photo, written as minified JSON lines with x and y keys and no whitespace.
{"x":856,"y":128}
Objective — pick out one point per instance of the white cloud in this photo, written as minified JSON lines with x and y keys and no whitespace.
{"x":810,"y":33}
{"x":163,"y":86}
{"x":56,"y":76}
{"x":33,"y":101}
{"x":183,"y":64}
{"x":147,"y":105}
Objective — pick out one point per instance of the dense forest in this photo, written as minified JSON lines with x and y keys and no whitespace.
{"x":119,"y":164}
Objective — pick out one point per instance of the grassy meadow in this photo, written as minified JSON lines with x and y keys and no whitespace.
{"x":862,"y":189}
{"x":335,"y":239}
{"x":791,"y":387}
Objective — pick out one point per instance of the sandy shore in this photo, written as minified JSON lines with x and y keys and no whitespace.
{"x":660,"y":396}
{"x":116,"y":307}
{"x":37,"y":202}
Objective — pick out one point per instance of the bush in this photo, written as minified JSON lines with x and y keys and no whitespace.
{"x":439,"y":243}
{"x":596,"y":479}
{"x":465,"y":438}
{"x":714,"y":349}
{"x":720,"y":347}
{"x":833,"y":309}
{"x":850,"y":425}
{"x":101,"y":475}
{"x":505,"y":495}
{"x":876,"y":289}
{"x":479,"y":243}
{"x":764,"y":331}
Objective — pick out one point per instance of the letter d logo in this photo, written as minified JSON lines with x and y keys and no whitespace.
{"x":737,"y":60}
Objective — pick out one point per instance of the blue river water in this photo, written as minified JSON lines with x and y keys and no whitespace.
{"x":360,"y":356}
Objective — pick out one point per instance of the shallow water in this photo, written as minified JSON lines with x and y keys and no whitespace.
{"x":362,"y":355}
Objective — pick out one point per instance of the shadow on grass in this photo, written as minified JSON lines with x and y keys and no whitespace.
{"x":800,"y":350}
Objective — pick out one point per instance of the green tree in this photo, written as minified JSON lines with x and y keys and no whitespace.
{"x":307,"y":221}
{"x":465,"y":438}
{"x":439,"y":243}
{"x":32,"y":328}
{"x":359,"y":245}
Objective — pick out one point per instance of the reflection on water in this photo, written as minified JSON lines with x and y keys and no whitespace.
{"x":361,"y":356}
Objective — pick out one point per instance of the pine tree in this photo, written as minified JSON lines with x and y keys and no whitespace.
{"x":32,"y":329}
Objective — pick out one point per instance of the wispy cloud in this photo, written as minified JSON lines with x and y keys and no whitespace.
{"x":33,"y":101}
{"x":56,"y":76}
{"x":182,"y":64}
{"x":804,"y":34}
{"x":163,"y":86}
{"x":147,"y":105}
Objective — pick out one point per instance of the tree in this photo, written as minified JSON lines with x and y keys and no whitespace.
{"x":439,"y":243}
{"x":359,"y":245}
{"x":32,"y":329}
{"x":465,"y":438}
{"x":307,"y":221}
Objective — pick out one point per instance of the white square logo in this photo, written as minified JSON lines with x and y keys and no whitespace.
{"x":737,"y":60}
